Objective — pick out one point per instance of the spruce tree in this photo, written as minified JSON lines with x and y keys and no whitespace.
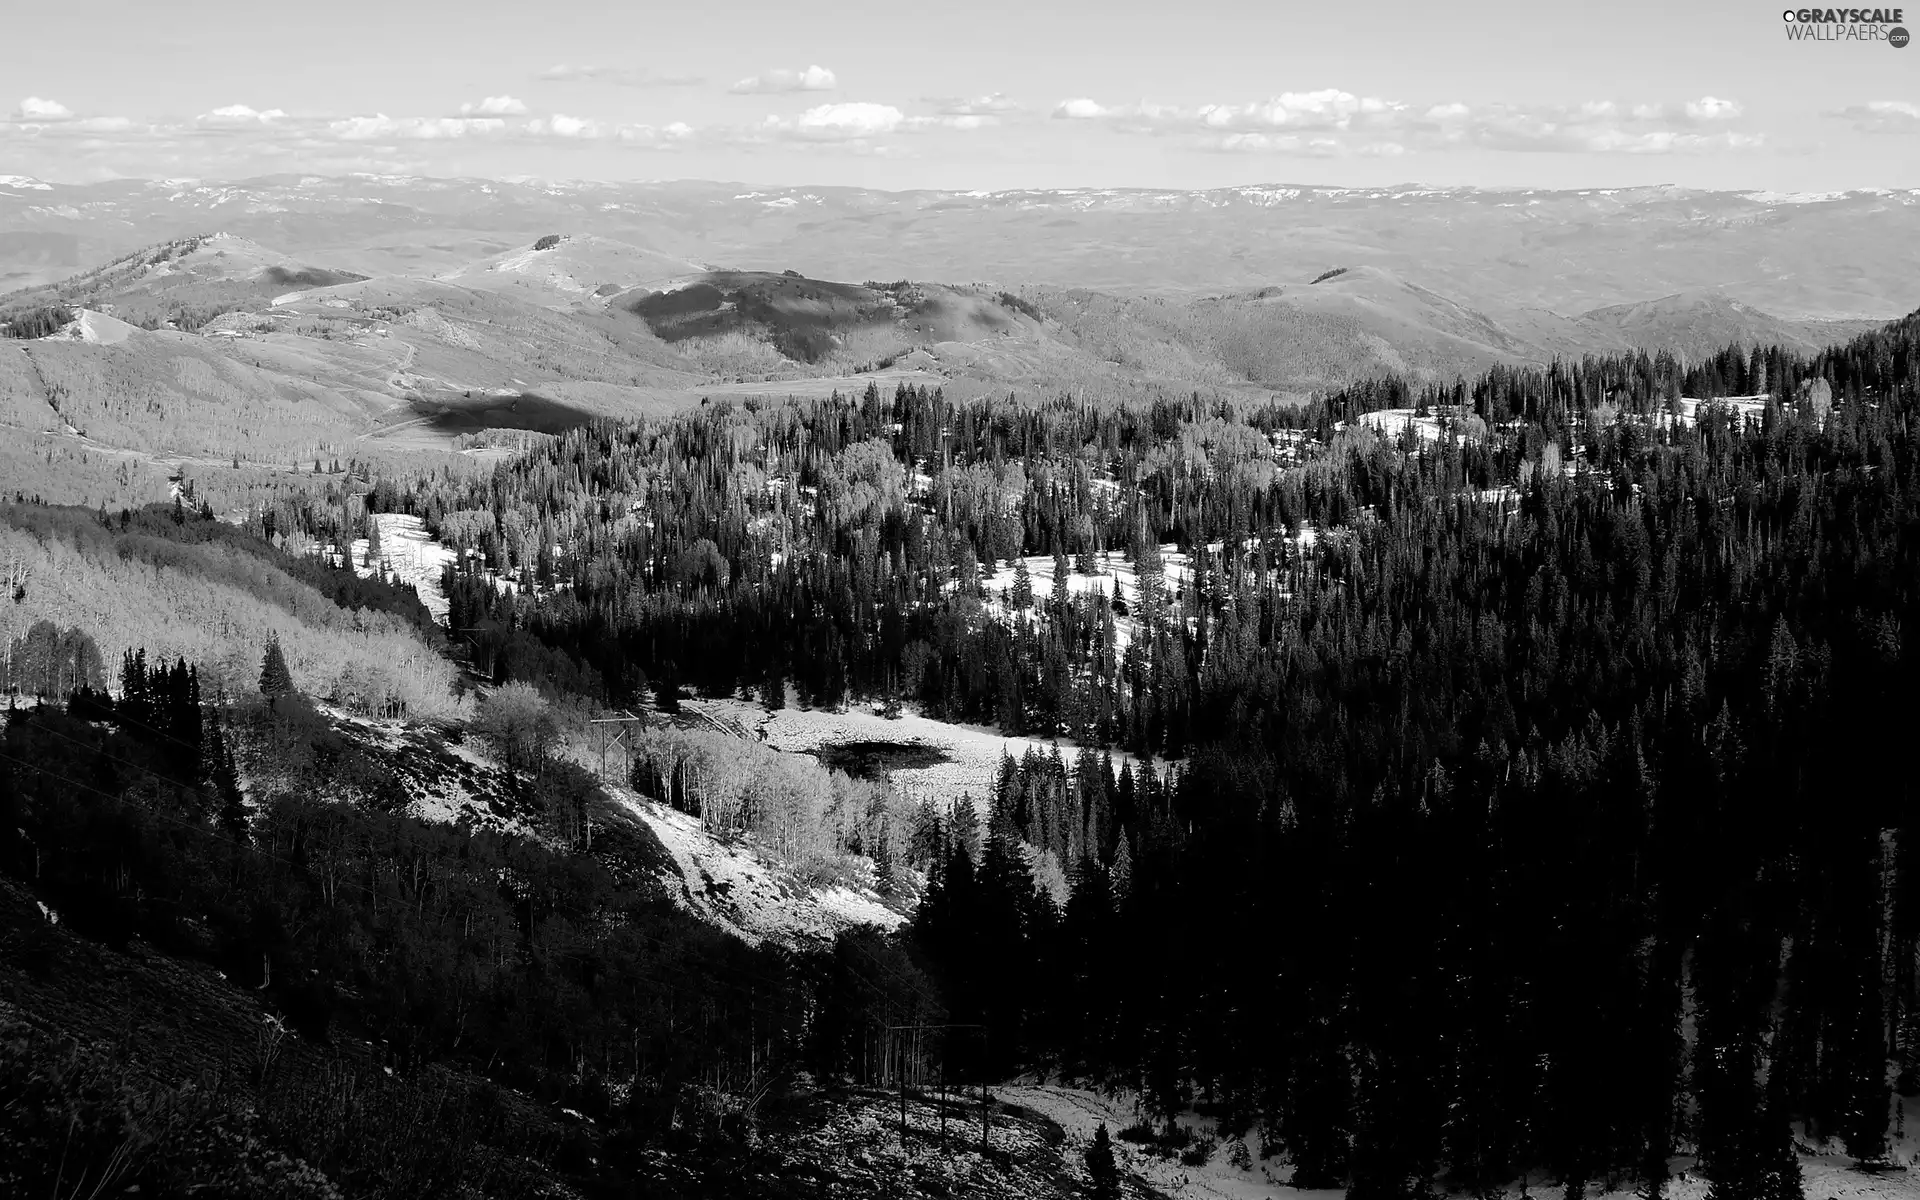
{"x":1102,"y":1171}
{"x":275,"y":679}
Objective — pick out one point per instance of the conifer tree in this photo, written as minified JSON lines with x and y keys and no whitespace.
{"x":275,"y":679}
{"x":1102,"y":1172}
{"x":222,"y":780}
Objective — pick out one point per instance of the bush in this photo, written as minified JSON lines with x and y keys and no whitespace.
{"x":1140,"y":1133}
{"x":1239,"y":1156}
{"x":1197,"y":1154}
{"x":548,"y":242}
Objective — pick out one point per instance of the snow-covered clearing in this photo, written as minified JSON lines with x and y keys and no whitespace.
{"x":741,"y":889}
{"x":1117,"y":577}
{"x":1749,"y":408}
{"x":1827,"y":1172}
{"x":408,"y":553}
{"x":95,"y":327}
{"x":972,"y":752}
{"x":1079,"y":1111}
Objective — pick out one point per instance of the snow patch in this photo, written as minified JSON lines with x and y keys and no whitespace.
{"x":409,"y":555}
{"x":742,"y":890}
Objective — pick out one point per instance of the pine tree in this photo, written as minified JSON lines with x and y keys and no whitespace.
{"x":1102,"y":1171}
{"x":1120,"y":878}
{"x":1022,"y":587}
{"x":275,"y":679}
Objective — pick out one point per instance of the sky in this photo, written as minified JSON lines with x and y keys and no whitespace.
{"x":982,"y":95}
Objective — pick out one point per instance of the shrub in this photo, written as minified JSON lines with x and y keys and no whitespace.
{"x":1197,"y":1154}
{"x":1140,"y":1133}
{"x":1239,"y":1156}
{"x":548,"y":242}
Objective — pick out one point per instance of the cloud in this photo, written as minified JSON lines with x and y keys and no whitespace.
{"x":1881,"y":116}
{"x":838,"y":122}
{"x":239,"y":116}
{"x":657,"y":137}
{"x":1329,"y":122}
{"x":1140,"y":117}
{"x":381,"y":127}
{"x":1328,"y":108}
{"x":34,"y":108}
{"x":1603,"y":127}
{"x":637,"y":77}
{"x":562,"y":125}
{"x":1707,"y":108}
{"x":979,"y":106}
{"x":1081,"y":109}
{"x":813,"y":79}
{"x":496,"y":106}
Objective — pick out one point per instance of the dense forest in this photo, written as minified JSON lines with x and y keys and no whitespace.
{"x":1535,"y":798}
{"x":453,"y":972}
{"x":1514,"y":794}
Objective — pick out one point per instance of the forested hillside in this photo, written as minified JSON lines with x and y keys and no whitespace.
{"x":1458,"y":784}
{"x":271,"y":928}
{"x":1538,"y":800}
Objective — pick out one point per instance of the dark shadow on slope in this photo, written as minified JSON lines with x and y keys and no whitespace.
{"x":458,"y":413}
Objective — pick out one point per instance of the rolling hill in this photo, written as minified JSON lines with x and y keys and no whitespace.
{"x":573,"y":269}
{"x":215,"y":351}
{"x":1824,"y":255}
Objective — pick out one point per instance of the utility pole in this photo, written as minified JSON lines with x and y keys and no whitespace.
{"x":613,"y":732}
{"x":895,"y":1053}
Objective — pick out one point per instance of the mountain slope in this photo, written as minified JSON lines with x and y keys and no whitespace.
{"x":573,"y":269}
{"x":1703,"y":322}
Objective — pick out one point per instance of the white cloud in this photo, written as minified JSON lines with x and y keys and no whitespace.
{"x":1330,"y":121}
{"x":1139,"y":117}
{"x":239,"y":116}
{"x":1607,"y":128}
{"x":381,"y":127}
{"x":1709,"y":108}
{"x":978,"y":106}
{"x":953,"y":121}
{"x":838,"y":122}
{"x":618,"y":76}
{"x":497,"y":106}
{"x":34,"y":108}
{"x":656,"y":137}
{"x":1081,"y":109}
{"x":1328,"y":108}
{"x":562,"y":125}
{"x":1882,"y":116}
{"x":813,"y":79}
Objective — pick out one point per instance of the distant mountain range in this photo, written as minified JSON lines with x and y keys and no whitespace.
{"x":336,"y":352}
{"x":1800,"y":255}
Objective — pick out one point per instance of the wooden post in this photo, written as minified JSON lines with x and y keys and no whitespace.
{"x":986,"y":1120}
